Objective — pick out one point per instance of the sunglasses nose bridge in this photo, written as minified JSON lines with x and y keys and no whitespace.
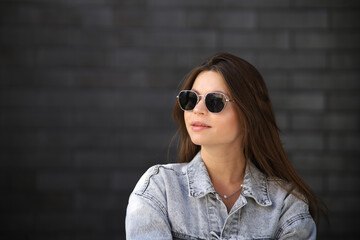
{"x":200,"y":106}
{"x":200,"y":97}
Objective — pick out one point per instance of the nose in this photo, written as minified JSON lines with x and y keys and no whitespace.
{"x":200,"y":107}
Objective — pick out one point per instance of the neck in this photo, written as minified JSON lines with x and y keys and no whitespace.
{"x":226,"y":166}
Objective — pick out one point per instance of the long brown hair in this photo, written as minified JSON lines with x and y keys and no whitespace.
{"x":262,"y":144}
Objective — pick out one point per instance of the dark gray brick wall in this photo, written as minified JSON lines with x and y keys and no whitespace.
{"x":78,"y":79}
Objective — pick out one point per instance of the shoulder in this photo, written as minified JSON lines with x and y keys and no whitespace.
{"x":285,"y":195}
{"x":159,"y":176}
{"x":154,"y":187}
{"x":295,"y":218}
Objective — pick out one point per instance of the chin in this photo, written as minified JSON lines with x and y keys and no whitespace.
{"x":200,"y":141}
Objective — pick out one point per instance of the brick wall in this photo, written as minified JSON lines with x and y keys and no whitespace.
{"x":78,"y":81}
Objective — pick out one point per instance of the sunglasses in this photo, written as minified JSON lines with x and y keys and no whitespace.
{"x":215,"y":101}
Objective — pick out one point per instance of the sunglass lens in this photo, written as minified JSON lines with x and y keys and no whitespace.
{"x":187,"y":100}
{"x":215,"y":102}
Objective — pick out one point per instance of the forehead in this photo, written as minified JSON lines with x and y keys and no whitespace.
{"x":210,"y":81}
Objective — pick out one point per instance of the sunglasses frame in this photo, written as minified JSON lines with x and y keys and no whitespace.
{"x":199,"y":96}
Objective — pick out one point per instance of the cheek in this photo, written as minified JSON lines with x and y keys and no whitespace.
{"x":230,"y":126}
{"x":186,"y":118}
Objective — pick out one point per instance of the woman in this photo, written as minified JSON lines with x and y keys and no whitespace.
{"x":234,"y":180}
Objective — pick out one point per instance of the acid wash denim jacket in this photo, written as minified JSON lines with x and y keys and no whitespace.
{"x":178,"y":201}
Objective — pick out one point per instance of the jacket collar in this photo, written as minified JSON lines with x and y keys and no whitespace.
{"x":255,"y":183}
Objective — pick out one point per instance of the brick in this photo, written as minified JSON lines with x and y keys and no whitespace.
{"x":124,"y":180}
{"x":31,"y":77}
{"x":165,"y":18}
{"x":302,"y":141}
{"x":343,"y":183}
{"x":98,"y":16}
{"x":98,"y":78}
{"x":345,"y":61}
{"x":327,"y":3}
{"x":36,"y":159}
{"x":114,"y":220}
{"x":26,"y":118}
{"x":126,"y":58}
{"x":129,"y":17}
{"x":187,"y":58}
{"x":57,"y":140}
{"x":314,"y":181}
{"x":5,"y":180}
{"x":11,"y":57}
{"x":99,"y":159}
{"x":22,"y":181}
{"x":118,"y":159}
{"x":86,"y":78}
{"x":346,"y":227}
{"x":94,"y":78}
{"x":99,"y":201}
{"x":298,"y":101}
{"x":332,"y":121}
{"x":190,"y":18}
{"x":199,"y":19}
{"x":344,"y":204}
{"x":103,"y":99}
{"x":67,"y":181}
{"x":130,"y":37}
{"x":65,"y":221}
{"x":282,"y":120}
{"x":123,"y":3}
{"x":67,"y":119}
{"x":313,"y":162}
{"x":59,"y":14}
{"x":309,"y":19}
{"x":177,"y":3}
{"x":316,"y":40}
{"x":346,"y":80}
{"x":236,"y":19}
{"x":18,"y":222}
{"x":166,"y":79}
{"x":344,"y":142}
{"x":276,"y":80}
{"x":188,"y":39}
{"x":29,"y":202}
{"x":344,"y":101}
{"x":109,"y":235}
{"x":345,"y":19}
{"x":79,"y":16}
{"x":351,"y":161}
{"x":256,"y":40}
{"x":226,"y":3}
{"x":50,"y":36}
{"x":292,"y":61}
{"x":152,"y":140}
{"x":19,"y":14}
{"x":256,"y":3}
{"x":71,"y":58}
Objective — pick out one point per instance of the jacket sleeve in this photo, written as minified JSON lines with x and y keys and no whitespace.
{"x":296,"y":221}
{"x":301,"y":226}
{"x":146,"y":215}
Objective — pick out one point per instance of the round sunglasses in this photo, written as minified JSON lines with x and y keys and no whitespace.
{"x":215,"y":101}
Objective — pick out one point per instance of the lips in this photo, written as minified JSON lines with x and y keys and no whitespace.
{"x":199,"y":126}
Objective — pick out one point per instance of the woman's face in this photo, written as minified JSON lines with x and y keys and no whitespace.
{"x":213,"y":129}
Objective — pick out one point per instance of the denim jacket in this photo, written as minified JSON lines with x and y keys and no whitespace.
{"x":178,"y":201}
